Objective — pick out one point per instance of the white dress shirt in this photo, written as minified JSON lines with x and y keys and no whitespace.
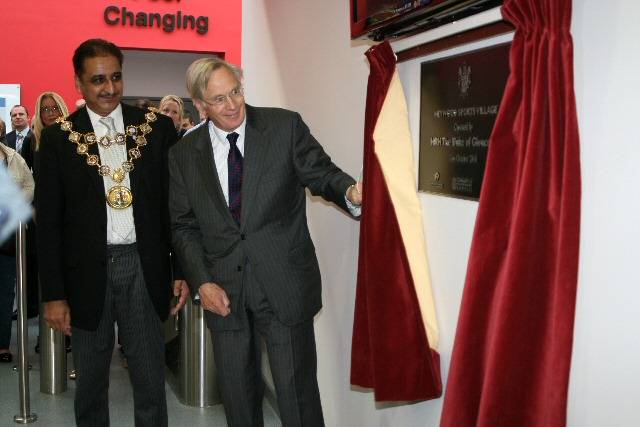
{"x":120,"y":226}
{"x":221,"y":148}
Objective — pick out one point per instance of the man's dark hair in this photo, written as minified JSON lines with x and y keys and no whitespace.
{"x":20,"y":106}
{"x":92,"y":48}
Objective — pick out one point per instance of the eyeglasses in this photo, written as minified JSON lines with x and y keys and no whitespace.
{"x":54,"y":109}
{"x":235,"y":95}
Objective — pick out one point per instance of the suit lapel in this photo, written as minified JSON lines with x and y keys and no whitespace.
{"x":206,"y":167}
{"x":255,"y":146}
{"x":131,"y":116}
{"x":11,"y":139}
{"x":82,"y":124}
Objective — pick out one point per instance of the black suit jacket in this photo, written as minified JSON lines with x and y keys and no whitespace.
{"x":72,"y":218}
{"x":28,"y":145}
{"x":281,"y":159}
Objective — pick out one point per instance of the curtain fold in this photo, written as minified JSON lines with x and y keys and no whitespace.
{"x":394,"y":348}
{"x":512,"y":351}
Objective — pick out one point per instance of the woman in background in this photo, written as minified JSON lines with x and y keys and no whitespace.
{"x":49,"y":106}
{"x":21,"y":174}
{"x":173,"y":106}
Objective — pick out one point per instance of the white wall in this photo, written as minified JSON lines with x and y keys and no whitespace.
{"x":297,"y":54}
{"x":606,"y":369}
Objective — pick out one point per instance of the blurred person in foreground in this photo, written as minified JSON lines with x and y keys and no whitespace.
{"x":21,"y":175}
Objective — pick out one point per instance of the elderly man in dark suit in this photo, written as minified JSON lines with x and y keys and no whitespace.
{"x":237,"y":203}
{"x":104,"y":237}
{"x":21,"y":138}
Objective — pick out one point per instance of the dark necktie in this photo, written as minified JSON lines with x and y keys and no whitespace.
{"x":234,"y":163}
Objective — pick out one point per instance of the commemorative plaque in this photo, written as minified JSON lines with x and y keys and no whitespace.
{"x":459,"y":101}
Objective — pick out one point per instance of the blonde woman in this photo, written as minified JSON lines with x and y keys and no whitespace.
{"x":49,"y":106}
{"x":21,"y":174}
{"x":173,"y":106}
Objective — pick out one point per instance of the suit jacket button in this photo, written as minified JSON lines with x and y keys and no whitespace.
{"x":242,"y":236}
{"x":239,"y":268}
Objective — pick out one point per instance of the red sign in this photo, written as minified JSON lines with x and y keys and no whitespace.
{"x":41,"y":36}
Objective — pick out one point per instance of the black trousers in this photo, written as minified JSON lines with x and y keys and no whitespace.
{"x":292,"y":359}
{"x":127,"y":303}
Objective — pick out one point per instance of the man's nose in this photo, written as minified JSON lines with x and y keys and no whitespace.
{"x":110,"y":86}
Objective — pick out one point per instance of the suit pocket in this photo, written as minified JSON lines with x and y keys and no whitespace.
{"x":302,"y":254}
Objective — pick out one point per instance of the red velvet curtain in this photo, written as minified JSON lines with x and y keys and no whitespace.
{"x":390,"y":351}
{"x":512,"y":351}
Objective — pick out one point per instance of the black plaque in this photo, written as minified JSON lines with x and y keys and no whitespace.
{"x":459,"y":101}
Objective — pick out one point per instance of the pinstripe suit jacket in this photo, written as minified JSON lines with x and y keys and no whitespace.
{"x":281,"y":158}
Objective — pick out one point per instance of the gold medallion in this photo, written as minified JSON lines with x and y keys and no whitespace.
{"x":119,"y":197}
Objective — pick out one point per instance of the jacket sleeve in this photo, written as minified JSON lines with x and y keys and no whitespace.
{"x":315,"y":168}
{"x":187,"y":237}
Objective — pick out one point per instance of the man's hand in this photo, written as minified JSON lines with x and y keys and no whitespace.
{"x":58,"y":315}
{"x":354,"y":193}
{"x":181,"y":290}
{"x":214,"y":299}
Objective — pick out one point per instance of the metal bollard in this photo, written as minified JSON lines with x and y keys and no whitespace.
{"x":197,"y":369}
{"x":25,"y":416}
{"x":53,"y":359}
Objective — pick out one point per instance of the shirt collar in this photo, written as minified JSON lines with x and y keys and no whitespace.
{"x":222,"y":134}
{"x":116,"y":115}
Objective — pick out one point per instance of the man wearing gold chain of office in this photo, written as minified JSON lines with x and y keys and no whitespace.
{"x":104,"y":238}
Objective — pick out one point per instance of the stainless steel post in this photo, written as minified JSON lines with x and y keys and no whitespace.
{"x":197,"y":368}
{"x":53,"y":359}
{"x":25,"y":416}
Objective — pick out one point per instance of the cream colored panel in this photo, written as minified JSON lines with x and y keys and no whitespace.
{"x":393,"y":147}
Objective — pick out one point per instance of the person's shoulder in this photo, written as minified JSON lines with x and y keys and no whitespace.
{"x":7,"y":150}
{"x":270,"y":111}
{"x":186,"y":144}
{"x":270,"y":116}
{"x":195,"y":128}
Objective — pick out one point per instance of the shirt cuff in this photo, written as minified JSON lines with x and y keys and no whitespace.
{"x":355,"y":210}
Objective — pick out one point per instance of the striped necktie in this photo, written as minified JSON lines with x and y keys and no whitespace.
{"x":234,"y":164}
{"x":19,"y":141}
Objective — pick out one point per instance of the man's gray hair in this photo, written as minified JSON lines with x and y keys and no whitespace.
{"x":199,"y":72}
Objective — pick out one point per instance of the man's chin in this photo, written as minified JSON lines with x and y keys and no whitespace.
{"x":107,"y":107}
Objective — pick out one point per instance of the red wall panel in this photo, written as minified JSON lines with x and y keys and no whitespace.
{"x":41,"y":35}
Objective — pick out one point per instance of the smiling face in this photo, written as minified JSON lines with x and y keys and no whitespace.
{"x":229,"y":114}
{"x":101,"y":83}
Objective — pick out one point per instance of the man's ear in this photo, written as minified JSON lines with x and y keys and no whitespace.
{"x":199,"y":105}
{"x":78,"y":83}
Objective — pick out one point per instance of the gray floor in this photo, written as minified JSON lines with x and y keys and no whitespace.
{"x":58,"y":410}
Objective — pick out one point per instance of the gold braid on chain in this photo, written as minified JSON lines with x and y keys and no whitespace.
{"x":84,"y":140}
